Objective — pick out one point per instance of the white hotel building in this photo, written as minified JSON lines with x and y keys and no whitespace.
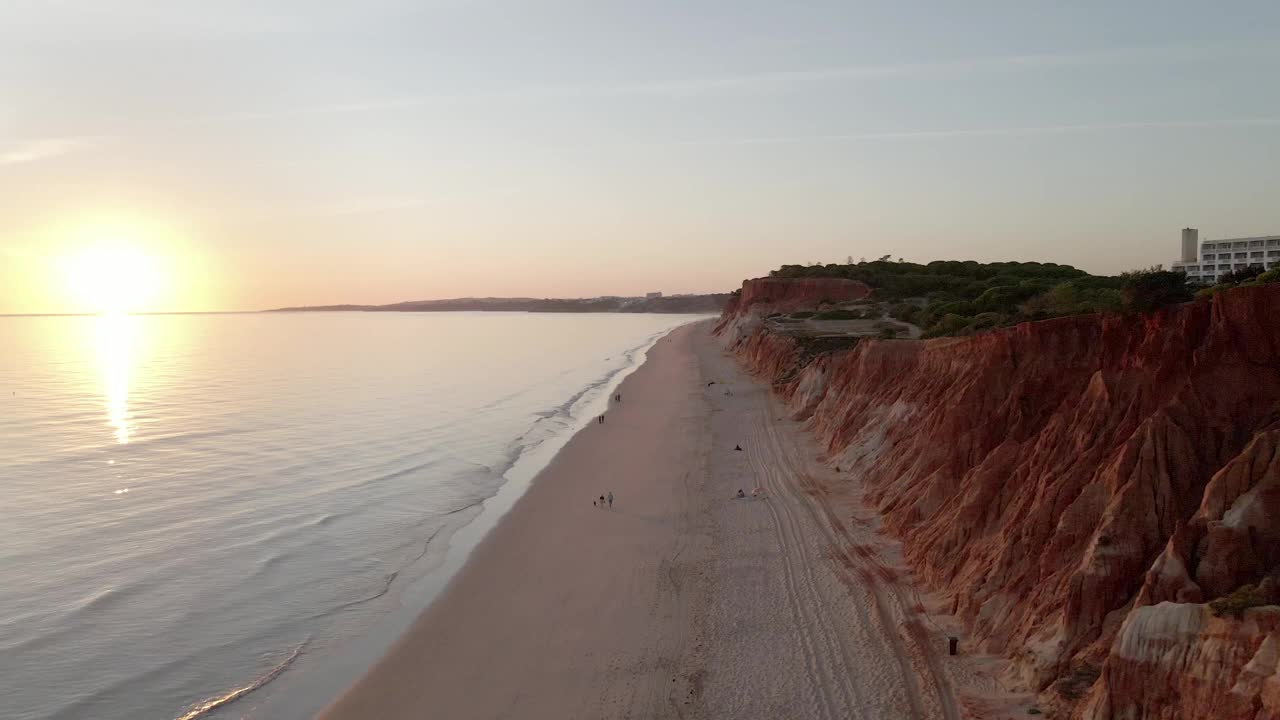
{"x":1215,"y":257}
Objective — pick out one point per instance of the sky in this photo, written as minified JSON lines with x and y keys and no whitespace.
{"x":192,"y":155}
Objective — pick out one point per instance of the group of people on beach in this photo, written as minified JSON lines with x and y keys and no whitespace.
{"x":603,"y":500}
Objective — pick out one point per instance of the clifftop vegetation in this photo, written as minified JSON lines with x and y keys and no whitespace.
{"x":951,"y":297}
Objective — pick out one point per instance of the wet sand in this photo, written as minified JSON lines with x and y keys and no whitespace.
{"x":682,"y":601}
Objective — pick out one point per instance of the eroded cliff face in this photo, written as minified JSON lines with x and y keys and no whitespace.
{"x":1176,"y":660}
{"x":1076,"y":488}
{"x":761,"y":296}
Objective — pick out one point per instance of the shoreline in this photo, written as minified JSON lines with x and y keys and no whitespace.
{"x":684,"y":600}
{"x":306,"y":690}
{"x":552,"y":522}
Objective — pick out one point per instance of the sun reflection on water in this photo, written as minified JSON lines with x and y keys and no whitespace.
{"x":117,"y":335}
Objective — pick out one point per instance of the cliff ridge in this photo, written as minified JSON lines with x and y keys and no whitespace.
{"x":1077,"y":488}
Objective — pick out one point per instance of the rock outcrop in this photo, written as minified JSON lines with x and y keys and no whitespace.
{"x":1076,"y":488}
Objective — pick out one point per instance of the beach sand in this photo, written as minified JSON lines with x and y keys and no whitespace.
{"x":682,"y":601}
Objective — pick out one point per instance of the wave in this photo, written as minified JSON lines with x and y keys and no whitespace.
{"x":557,"y":422}
{"x":386,"y":583}
{"x":206,"y":706}
{"x":426,"y":545}
{"x":386,"y":588}
{"x":327,"y":519}
{"x":69,"y":621}
{"x":517,"y":449}
{"x":563,"y":412}
{"x":107,"y":597}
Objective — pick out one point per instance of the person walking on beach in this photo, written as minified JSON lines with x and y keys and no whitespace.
{"x":610,"y":499}
{"x":601,"y":501}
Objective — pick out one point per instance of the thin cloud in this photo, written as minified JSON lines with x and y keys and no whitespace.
{"x":44,"y":149}
{"x":772,"y":80}
{"x":981,"y":132}
{"x":340,"y":108}
{"x":149,"y":16}
{"x":370,"y":205}
{"x":789,"y":78}
{"x":346,"y":207}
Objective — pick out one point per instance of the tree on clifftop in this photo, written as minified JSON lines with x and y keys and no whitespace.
{"x":1244,"y":274}
{"x":1147,"y":290}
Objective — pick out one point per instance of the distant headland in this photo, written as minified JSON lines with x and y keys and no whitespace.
{"x":651,"y":303}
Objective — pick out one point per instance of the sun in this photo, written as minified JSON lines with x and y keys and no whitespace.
{"x":113,"y":276}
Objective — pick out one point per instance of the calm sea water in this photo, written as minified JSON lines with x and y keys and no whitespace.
{"x":232,"y":515}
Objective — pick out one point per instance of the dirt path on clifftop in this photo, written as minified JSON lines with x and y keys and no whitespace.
{"x":831,"y":629}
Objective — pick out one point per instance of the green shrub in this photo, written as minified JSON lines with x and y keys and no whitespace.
{"x":948,"y":279}
{"x":802,"y":314}
{"x":1207,"y":293}
{"x":1270,"y":276}
{"x":951,"y":324}
{"x":838,"y":315}
{"x":904,"y":311}
{"x":1074,"y":297}
{"x":1244,"y":274}
{"x":888,"y":333}
{"x":986,"y":321}
{"x":1013,"y":291}
{"x":1005,"y":296}
{"x":1244,"y":597}
{"x":1148,"y":290}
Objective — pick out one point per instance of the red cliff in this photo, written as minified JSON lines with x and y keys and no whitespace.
{"x":1076,"y":488}
{"x":762,"y":296}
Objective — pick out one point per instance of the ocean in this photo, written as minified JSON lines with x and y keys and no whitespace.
{"x":233,"y":515}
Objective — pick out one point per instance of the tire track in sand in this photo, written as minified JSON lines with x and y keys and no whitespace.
{"x":787,"y":497}
{"x":855,"y":559}
{"x":801,"y":598}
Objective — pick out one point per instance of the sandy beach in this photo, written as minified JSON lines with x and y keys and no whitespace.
{"x":682,"y":600}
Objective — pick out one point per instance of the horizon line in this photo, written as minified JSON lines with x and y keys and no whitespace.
{"x":355,"y":307}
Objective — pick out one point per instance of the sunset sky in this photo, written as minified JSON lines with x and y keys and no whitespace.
{"x":195,"y":155}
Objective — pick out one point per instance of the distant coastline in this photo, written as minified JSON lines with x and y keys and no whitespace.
{"x":710,"y":303}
